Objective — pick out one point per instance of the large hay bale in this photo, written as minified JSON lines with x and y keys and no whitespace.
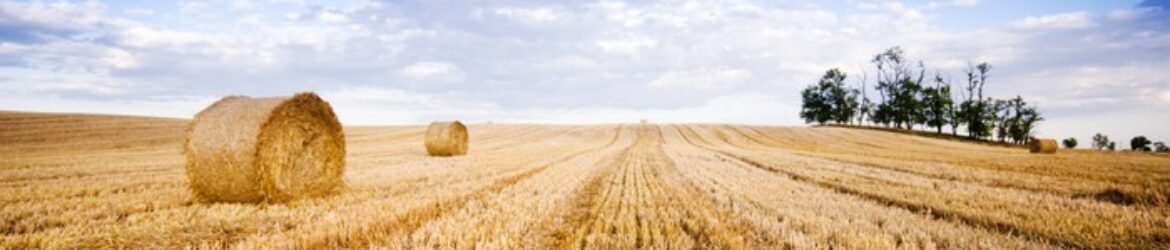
{"x":446,"y":139}
{"x":274,"y":149}
{"x":1044,"y":146}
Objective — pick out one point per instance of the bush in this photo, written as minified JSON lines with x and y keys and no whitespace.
{"x":1140,"y":143}
{"x":1070,"y":142}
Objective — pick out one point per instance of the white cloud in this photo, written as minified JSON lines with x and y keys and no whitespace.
{"x":1132,"y":14}
{"x":1072,"y":20}
{"x":965,"y":3}
{"x":119,"y":58}
{"x":242,"y":5}
{"x":332,"y":17}
{"x":628,"y":46}
{"x":528,"y":15}
{"x":57,"y":16}
{"x":1164,"y":98}
{"x":904,"y":11}
{"x":151,"y":37}
{"x":139,"y":11}
{"x":429,"y":69}
{"x":192,"y":7}
{"x":702,"y":79}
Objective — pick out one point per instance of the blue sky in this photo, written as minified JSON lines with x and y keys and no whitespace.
{"x":1091,"y":66}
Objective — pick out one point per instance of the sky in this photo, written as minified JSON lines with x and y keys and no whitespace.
{"x":1090,"y":66}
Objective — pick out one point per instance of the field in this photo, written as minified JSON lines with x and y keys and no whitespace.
{"x":86,"y":181}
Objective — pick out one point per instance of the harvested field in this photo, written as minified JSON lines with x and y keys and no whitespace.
{"x":90,"y":181}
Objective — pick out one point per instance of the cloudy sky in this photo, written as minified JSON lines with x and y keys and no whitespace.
{"x":1089,"y":65}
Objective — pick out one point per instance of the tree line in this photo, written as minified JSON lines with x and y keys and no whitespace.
{"x":907,"y":98}
{"x":1138,"y":143}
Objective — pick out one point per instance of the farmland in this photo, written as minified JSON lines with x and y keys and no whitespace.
{"x":85,"y":181}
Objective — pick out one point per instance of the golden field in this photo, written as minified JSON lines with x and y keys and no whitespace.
{"x":89,"y":181}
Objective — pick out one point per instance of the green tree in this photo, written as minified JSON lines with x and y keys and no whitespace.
{"x":844,"y":101}
{"x":901,"y":93}
{"x":891,"y":70}
{"x":1028,"y":118}
{"x":828,"y":100}
{"x":938,"y":103}
{"x":1001,"y":116}
{"x":1017,"y":120}
{"x":815,"y":108}
{"x":1100,"y":141}
{"x":974,"y":109}
{"x":1070,"y":142}
{"x":1139,"y":143}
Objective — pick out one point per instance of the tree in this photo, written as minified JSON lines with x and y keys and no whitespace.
{"x":1070,"y":142}
{"x":1019,"y":119}
{"x":1139,"y":143}
{"x":1001,"y":117}
{"x":1112,"y":146}
{"x":954,"y":116}
{"x":844,"y":102}
{"x":937,"y":102}
{"x":815,"y":107}
{"x":1028,"y":119}
{"x":891,"y":70}
{"x":1100,"y":141}
{"x":828,"y":100}
{"x":975,"y":108}
{"x":900,"y":92}
{"x":1161,"y":147}
{"x":865,"y":108}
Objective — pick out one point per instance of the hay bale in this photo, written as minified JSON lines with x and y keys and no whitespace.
{"x":1044,"y":146}
{"x":446,"y":139}
{"x":274,"y":149}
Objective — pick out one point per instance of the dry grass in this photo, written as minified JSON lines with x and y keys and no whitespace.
{"x":80,"y":181}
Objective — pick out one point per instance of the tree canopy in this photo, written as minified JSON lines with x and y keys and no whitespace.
{"x":906,"y":100}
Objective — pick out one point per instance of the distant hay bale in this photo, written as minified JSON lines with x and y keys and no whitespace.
{"x":1044,"y":146}
{"x":273,"y":149}
{"x":446,"y":139}
{"x":644,"y":121}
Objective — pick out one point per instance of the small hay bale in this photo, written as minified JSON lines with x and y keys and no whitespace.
{"x":446,"y":139}
{"x":1043,"y":146}
{"x":644,"y":121}
{"x":274,"y":149}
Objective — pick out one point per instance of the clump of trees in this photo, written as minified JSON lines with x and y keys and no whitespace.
{"x":1161,"y":147}
{"x":1138,"y":143}
{"x":829,"y":100}
{"x":908,"y":98}
{"x":1100,"y":142}
{"x":1070,"y":142}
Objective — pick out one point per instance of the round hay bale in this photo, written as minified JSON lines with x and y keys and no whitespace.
{"x":273,"y":149}
{"x":1043,"y":146}
{"x":446,"y":139}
